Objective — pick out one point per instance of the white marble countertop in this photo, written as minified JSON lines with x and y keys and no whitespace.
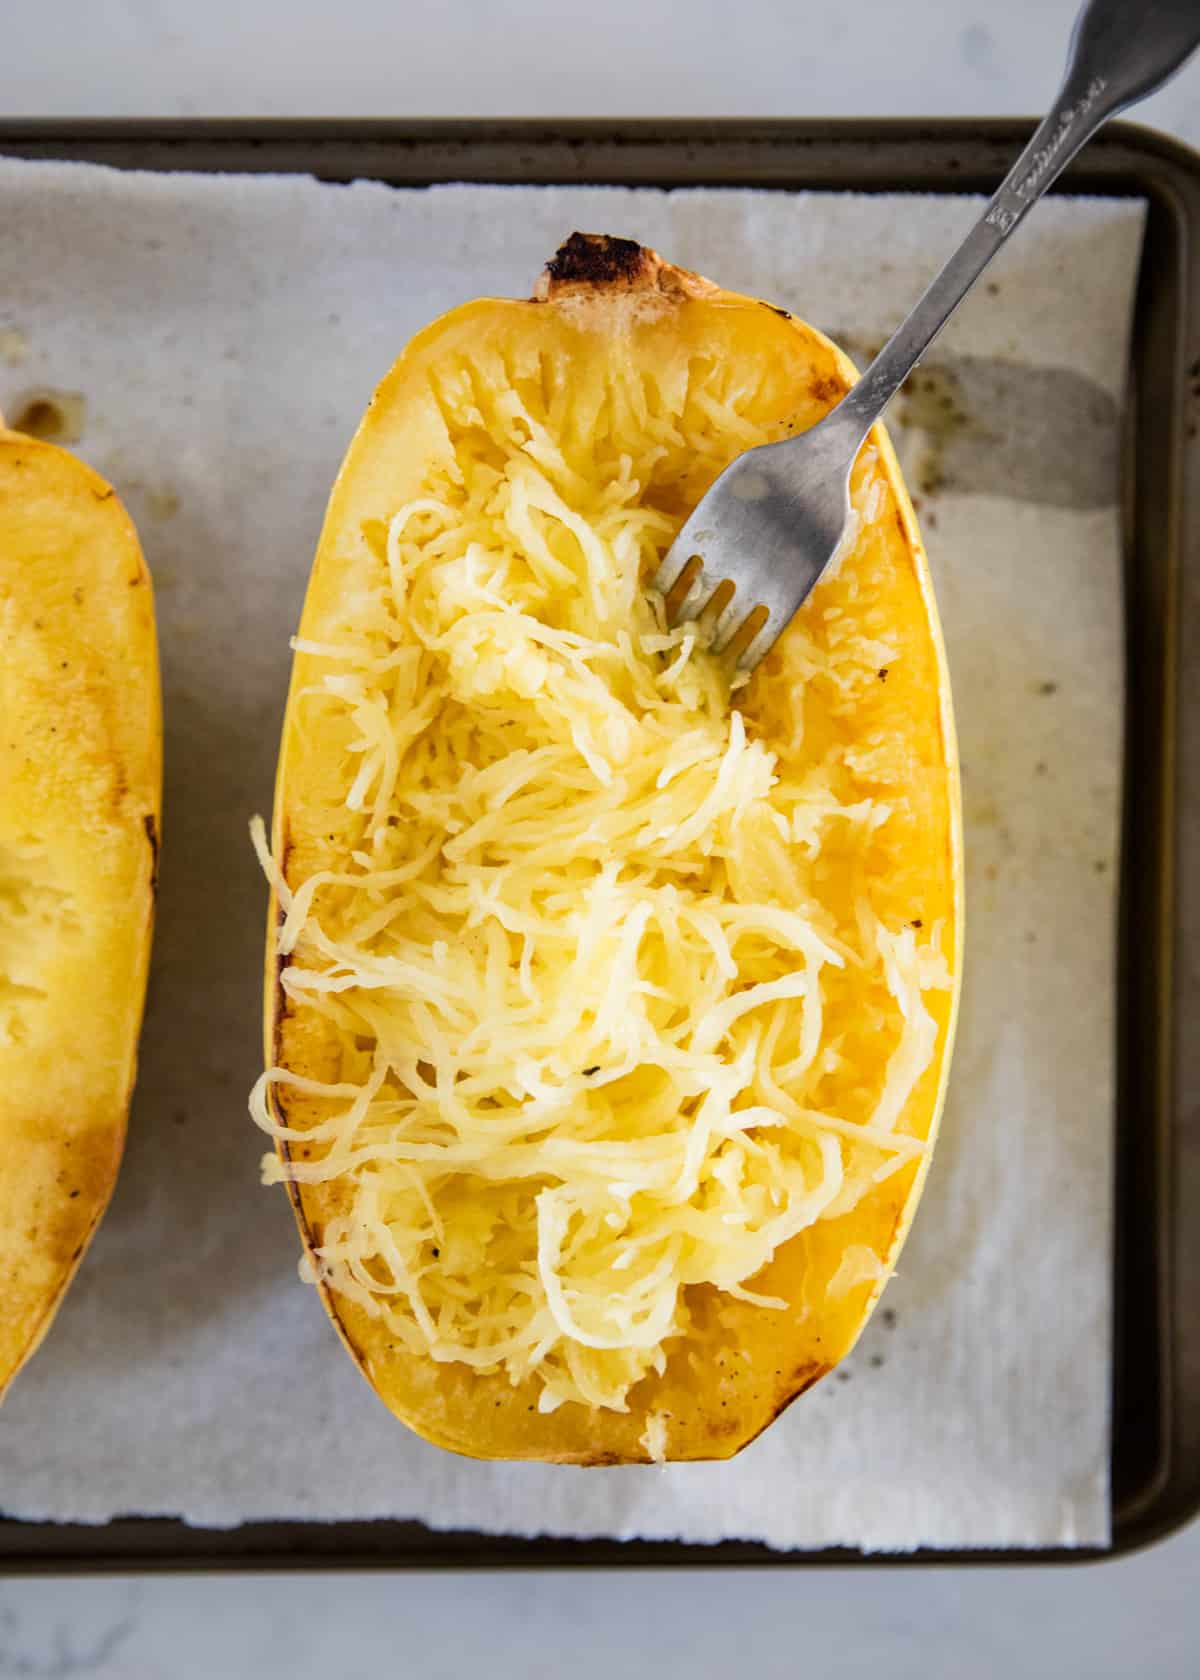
{"x":531,"y":58}
{"x":474,"y":58}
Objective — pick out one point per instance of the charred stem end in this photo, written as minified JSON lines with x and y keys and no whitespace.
{"x":601,"y":262}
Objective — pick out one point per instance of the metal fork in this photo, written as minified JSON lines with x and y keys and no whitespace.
{"x":773,"y":520}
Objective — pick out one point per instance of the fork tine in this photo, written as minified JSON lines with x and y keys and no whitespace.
{"x":693,"y":541}
{"x":758,"y":644}
{"x":674,"y":563}
{"x":730,"y":619}
{"x":695,"y":603}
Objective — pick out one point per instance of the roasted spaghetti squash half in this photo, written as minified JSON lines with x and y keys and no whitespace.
{"x":609,"y":1005}
{"x":80,"y":800}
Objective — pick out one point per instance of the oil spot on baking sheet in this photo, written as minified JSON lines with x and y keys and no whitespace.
{"x":161,"y":501}
{"x":14,"y":346}
{"x":53,"y":415}
{"x":933,"y":407}
{"x":982,"y":426}
{"x":146,"y":500}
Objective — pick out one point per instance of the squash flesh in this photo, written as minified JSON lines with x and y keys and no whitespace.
{"x":709,"y":374}
{"x":80,"y":775}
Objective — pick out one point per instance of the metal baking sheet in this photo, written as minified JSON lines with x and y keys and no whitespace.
{"x":1156,"y":1374}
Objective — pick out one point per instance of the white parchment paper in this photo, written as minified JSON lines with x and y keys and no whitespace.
{"x":225,"y":334}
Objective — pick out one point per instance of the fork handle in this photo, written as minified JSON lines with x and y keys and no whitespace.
{"x":1121,"y":50}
